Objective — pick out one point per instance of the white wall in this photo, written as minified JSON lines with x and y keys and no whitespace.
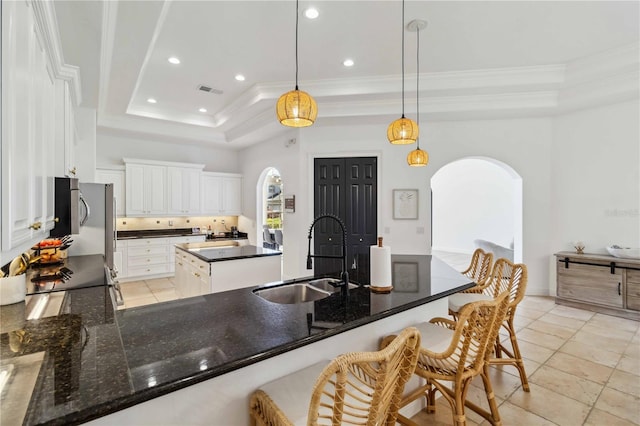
{"x":85,"y":149}
{"x":524,"y":144}
{"x":596,"y":178}
{"x":472,"y":185}
{"x":112,"y":148}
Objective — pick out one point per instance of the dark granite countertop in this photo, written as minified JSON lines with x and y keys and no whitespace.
{"x":217,"y":254}
{"x":177,"y":232}
{"x":97,"y":361}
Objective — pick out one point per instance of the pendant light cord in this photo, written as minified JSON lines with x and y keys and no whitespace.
{"x":418,"y":82}
{"x":402,"y":58}
{"x":297,"y":15}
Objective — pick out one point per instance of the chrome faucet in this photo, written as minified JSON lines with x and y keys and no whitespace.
{"x":344,"y":276}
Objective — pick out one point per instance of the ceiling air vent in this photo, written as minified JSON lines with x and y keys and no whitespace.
{"x":209,"y":89}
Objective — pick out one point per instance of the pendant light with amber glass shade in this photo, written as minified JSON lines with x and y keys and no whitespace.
{"x":404,"y":130}
{"x":296,"y":108}
{"x":417,"y":157}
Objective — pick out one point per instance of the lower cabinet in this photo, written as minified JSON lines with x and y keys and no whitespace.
{"x":150,"y":257}
{"x":195,"y":277}
{"x":599,"y":283}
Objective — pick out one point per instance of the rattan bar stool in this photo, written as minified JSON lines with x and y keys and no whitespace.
{"x":479,"y":269}
{"x":456,"y":352}
{"x":506,"y":276}
{"x":358,"y":388}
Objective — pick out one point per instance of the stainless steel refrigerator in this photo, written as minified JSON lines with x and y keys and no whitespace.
{"x":97,"y":223}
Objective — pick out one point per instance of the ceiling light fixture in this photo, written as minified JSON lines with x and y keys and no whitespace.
{"x":202,"y":110}
{"x":348,"y":62}
{"x":417,"y":157}
{"x":296,"y":108}
{"x":311,"y":13}
{"x":174,"y":60}
{"x":239,"y":77}
{"x":403,"y":130}
{"x":151,"y":101}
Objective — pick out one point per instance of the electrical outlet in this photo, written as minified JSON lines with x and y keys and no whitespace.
{"x":170,"y":223}
{"x":222,"y":221}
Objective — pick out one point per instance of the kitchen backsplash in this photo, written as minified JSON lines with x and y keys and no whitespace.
{"x":217,"y":223}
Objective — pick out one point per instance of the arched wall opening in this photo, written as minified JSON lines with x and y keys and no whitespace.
{"x":269,"y":207}
{"x":477,"y":202}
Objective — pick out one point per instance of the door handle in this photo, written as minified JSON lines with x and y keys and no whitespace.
{"x":354,"y":265}
{"x":87,"y":211}
{"x":619,"y":292}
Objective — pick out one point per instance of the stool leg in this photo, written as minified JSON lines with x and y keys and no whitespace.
{"x":516,"y":354}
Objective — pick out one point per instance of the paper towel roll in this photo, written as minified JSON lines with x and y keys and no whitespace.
{"x":380,"y":261}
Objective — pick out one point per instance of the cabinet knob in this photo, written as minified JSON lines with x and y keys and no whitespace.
{"x":56,"y":219}
{"x":72,"y":171}
{"x":35,"y":226}
{"x":360,"y":239}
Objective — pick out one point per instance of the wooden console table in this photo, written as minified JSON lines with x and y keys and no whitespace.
{"x":600,"y":283}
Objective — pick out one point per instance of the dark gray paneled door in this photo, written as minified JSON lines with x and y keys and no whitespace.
{"x":347,"y":188}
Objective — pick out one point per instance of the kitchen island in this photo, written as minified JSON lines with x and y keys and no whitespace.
{"x":196,"y":360}
{"x":217,"y":266}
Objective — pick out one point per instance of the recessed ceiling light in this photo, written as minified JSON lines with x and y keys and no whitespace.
{"x":311,"y":13}
{"x":240,"y":77}
{"x":174,"y":60}
{"x":348,"y":62}
{"x":202,"y":110}
{"x":151,"y":101}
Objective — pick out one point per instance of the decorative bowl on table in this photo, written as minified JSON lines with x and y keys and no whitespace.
{"x":624,"y":252}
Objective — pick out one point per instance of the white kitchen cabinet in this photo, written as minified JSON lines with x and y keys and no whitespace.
{"x":183,"y":190}
{"x":221,"y":194}
{"x":145,"y":193}
{"x":116,"y":177}
{"x":28,"y":129}
{"x":70,"y":133}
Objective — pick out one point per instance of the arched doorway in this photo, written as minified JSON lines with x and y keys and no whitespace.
{"x":477,"y":202}
{"x":270,"y":209}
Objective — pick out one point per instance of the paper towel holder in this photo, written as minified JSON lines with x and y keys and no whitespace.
{"x":380,"y":290}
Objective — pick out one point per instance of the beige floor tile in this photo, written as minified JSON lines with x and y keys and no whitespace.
{"x":619,"y":404}
{"x":513,"y":415}
{"x":566,"y":322}
{"x":477,"y":396}
{"x":543,"y":339}
{"x":442,"y":416}
{"x":541,"y":303}
{"x":533,"y":351}
{"x":612,"y":344}
{"x":625,"y":382}
{"x":566,"y":311}
{"x":629,"y":365}
{"x":567,"y":384}
{"x":602,"y":418}
{"x":135,"y":291}
{"x":503,"y":383}
{"x":166,"y":295}
{"x":598,"y":354}
{"x":159,"y":284}
{"x":611,"y":322}
{"x":140,"y":301}
{"x":633,"y":350}
{"x":522,"y":322}
{"x":610,"y":332}
{"x":523,"y":311}
{"x":552,"y":406}
{"x":580,"y":367}
{"x":550,"y":328}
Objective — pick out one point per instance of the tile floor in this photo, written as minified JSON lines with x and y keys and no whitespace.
{"x":583,"y":367}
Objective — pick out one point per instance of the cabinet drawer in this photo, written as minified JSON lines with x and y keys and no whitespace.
{"x":199,"y":266}
{"x":147,"y":260}
{"x":141,"y":242}
{"x":587,"y":283}
{"x":148,"y":270}
{"x":187,"y":239}
{"x":633,"y":277}
{"x":149,"y":250}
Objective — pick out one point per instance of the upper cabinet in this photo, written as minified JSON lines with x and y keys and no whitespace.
{"x":116,"y":177}
{"x":29,"y":125}
{"x":221,"y":194}
{"x":183,"y":184}
{"x":157,"y":188}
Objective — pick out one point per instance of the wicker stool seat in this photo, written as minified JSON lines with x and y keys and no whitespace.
{"x":456,"y":352}
{"x":505,"y":277}
{"x":358,"y":388}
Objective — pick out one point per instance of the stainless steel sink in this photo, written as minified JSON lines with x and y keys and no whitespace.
{"x":292,"y":293}
{"x":301,"y":291}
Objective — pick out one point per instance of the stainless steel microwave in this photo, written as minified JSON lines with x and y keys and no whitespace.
{"x":67,"y":207}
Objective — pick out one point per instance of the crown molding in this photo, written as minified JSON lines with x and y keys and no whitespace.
{"x":47,"y":24}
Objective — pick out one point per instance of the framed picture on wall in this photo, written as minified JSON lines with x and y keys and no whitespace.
{"x":405,"y":204}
